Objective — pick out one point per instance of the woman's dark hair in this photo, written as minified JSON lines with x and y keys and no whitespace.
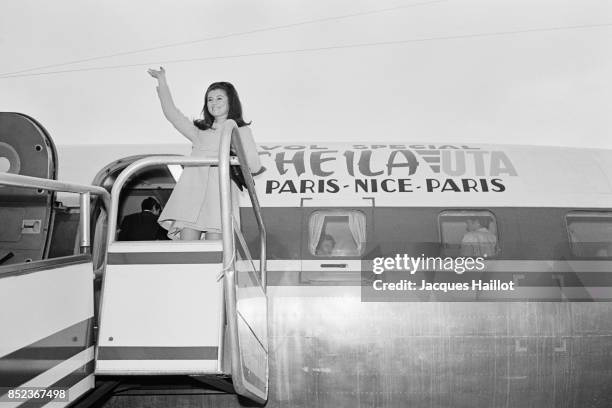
{"x":235,"y":107}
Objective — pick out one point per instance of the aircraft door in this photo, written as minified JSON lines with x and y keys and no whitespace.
{"x":335,"y":240}
{"x":25,"y":214}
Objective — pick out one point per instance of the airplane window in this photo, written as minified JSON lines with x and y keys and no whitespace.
{"x":590,"y":234}
{"x":337,"y":233}
{"x":469,"y":233}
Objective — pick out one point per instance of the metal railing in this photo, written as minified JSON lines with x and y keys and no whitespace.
{"x":230,"y":137}
{"x":135,"y":167}
{"x":250,"y":184}
{"x":85,"y":192}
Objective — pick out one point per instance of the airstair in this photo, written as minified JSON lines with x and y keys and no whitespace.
{"x":196,"y":309}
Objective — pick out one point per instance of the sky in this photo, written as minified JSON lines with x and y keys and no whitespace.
{"x":535,"y":72}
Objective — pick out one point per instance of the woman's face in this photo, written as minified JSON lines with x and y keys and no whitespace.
{"x":217,"y":103}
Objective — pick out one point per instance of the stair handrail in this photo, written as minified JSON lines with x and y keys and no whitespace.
{"x":140,"y":164}
{"x":236,"y":142}
{"x":85,"y":192}
{"x":231,"y":136}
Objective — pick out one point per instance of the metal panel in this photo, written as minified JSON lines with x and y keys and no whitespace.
{"x":161,"y":318}
{"x":328,"y":349}
{"x":49,"y":310}
{"x":27,"y":149}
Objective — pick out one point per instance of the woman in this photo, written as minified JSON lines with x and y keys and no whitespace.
{"x":194,"y":206}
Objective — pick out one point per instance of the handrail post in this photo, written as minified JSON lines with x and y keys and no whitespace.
{"x":226,"y":142}
{"x":226,"y":200}
{"x":250,"y":184}
{"x":228,"y":258}
{"x":84,"y":222}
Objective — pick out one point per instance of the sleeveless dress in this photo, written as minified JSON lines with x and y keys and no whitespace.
{"x":195,"y":201}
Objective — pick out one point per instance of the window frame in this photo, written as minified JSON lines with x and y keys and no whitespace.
{"x":336,"y":212}
{"x":465,"y":212}
{"x":584,"y":214}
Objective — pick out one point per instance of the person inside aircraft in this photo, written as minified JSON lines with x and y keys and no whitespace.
{"x":194,"y":209}
{"x":478,"y":241}
{"x":326,"y":245}
{"x":336,"y":232}
{"x":143,"y":226}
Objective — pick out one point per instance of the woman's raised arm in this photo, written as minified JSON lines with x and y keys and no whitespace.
{"x":171,"y":112}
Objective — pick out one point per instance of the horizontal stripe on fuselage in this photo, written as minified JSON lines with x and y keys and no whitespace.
{"x":164,"y":258}
{"x":158,"y":353}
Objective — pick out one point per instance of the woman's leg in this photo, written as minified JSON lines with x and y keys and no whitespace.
{"x":190,"y":234}
{"x":212,"y":236}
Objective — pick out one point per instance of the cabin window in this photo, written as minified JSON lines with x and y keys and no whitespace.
{"x":337,"y":233}
{"x":590,"y":234}
{"x":469,"y":234}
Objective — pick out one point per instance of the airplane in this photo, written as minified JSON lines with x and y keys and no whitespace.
{"x":148,"y":323}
